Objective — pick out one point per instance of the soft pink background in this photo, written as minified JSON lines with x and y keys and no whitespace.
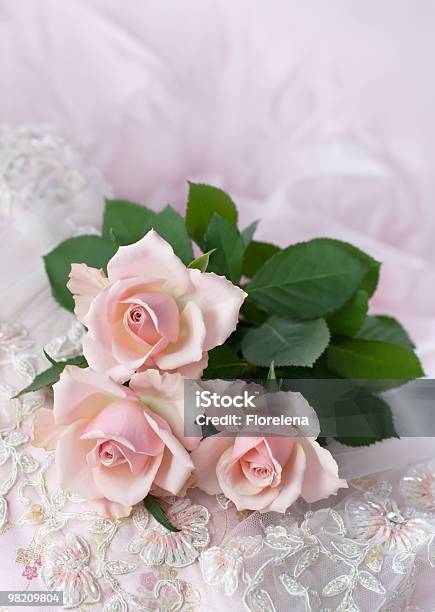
{"x":318,"y":117}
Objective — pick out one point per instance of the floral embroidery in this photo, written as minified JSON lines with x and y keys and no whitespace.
{"x":13,"y":339}
{"x":31,"y":559}
{"x":43,"y":170}
{"x":381,"y":521}
{"x":318,"y":550}
{"x":66,"y":568}
{"x":30,"y":572}
{"x":148,"y":581}
{"x":29,"y":556}
{"x":157,"y":545}
{"x":68,"y":345}
{"x":418,"y":487}
{"x":222,"y":566}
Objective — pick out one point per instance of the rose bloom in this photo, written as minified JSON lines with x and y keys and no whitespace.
{"x":264,"y":472}
{"x":115,"y":444}
{"x":152,"y":311}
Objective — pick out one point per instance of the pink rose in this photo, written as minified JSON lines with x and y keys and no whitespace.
{"x":116,"y":444}
{"x":152,"y":311}
{"x":265,"y":473}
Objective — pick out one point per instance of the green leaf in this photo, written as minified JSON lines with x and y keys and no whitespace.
{"x":235,"y":339}
{"x":79,"y":361}
{"x":171,"y":227}
{"x":256,"y":254}
{"x":201,"y":262}
{"x":49,"y":357}
{"x":224,"y":237}
{"x":223,"y":363}
{"x":371,"y":359}
{"x":248,"y":233}
{"x":252,"y":314}
{"x":347,"y":410}
{"x":295,"y":372}
{"x":306,"y":281}
{"x":372,"y":419}
{"x":113,"y":238}
{"x":272,"y":384}
{"x":285,"y":342}
{"x":371,"y":277}
{"x":320,"y":369}
{"x":203,"y":201}
{"x":44,"y":379}
{"x":125,"y":220}
{"x":52,"y":374}
{"x":348,"y":320}
{"x":271,"y":375}
{"x":94,"y":251}
{"x":154,"y":508}
{"x":386,"y":329}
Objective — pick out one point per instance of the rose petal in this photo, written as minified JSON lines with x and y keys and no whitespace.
{"x":85,"y":283}
{"x":291,"y":403}
{"x":194,"y":370}
{"x":145,"y":329}
{"x":44,"y":430}
{"x":173,"y":473}
{"x":122,"y":290}
{"x":321,"y":474}
{"x":82,"y":393}
{"x":109,"y":344}
{"x":74,"y":474}
{"x":136,"y":461}
{"x":236,"y":487}
{"x":205,"y":459}
{"x":150,"y":258}
{"x":125,"y":422}
{"x":159,"y":492}
{"x":292,"y":478}
{"x":280,"y":448}
{"x":177,"y":464}
{"x":131,"y":350}
{"x":219,"y":301}
{"x":121,"y":485}
{"x":259,"y":467}
{"x":110,"y":509}
{"x":163,"y":310}
{"x":97,"y":319}
{"x":244,"y":444}
{"x":233,"y":474}
{"x":101,"y":360}
{"x":189,"y":346}
{"x":163,"y":393}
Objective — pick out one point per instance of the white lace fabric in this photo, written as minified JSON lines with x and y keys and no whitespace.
{"x":370,"y":549}
{"x":366,"y":553}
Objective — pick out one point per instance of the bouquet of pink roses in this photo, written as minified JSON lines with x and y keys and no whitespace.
{"x":155,"y":315}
